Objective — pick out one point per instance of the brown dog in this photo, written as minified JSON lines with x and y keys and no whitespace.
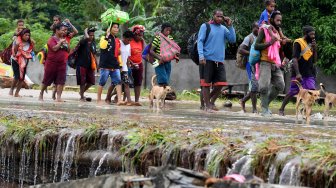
{"x":329,"y":100}
{"x":159,"y":93}
{"x":307,"y":98}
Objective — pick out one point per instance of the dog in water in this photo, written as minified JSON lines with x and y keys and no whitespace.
{"x":329,"y":100}
{"x":307,"y":98}
{"x":159,"y":93}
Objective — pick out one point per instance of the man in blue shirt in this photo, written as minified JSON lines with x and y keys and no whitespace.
{"x":211,"y":56}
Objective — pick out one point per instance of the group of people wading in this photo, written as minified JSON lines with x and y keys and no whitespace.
{"x":122,"y":60}
{"x":265,"y":76}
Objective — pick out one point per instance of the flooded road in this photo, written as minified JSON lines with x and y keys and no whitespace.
{"x":179,"y":115}
{"x":45,"y":142}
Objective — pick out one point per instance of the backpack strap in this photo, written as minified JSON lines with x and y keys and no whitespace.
{"x":308,"y":47}
{"x":208,"y":29}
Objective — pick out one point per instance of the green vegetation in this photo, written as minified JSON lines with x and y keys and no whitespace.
{"x":322,"y":154}
{"x":23,"y":130}
{"x":146,"y":143}
{"x":185,"y":15}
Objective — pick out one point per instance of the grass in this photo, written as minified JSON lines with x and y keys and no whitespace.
{"x":323,"y":154}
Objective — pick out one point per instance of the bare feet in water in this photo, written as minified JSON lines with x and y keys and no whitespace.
{"x":53,"y":96}
{"x":242,"y":104}
{"x":60,"y":100}
{"x":17,"y":95}
{"x":40,"y":98}
{"x":108,"y":101}
{"x":100,"y":102}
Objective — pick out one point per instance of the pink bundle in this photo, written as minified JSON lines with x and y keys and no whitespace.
{"x":273,"y":50}
{"x":168,"y":49}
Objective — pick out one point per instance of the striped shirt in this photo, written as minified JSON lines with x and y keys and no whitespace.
{"x":157,"y":42}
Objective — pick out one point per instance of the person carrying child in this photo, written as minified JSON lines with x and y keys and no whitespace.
{"x":264,"y":20}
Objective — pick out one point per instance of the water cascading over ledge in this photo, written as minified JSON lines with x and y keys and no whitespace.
{"x":33,"y":153}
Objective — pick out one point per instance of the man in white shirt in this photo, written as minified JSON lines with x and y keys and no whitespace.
{"x":125,"y":52}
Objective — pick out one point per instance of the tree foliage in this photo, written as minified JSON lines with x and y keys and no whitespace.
{"x":185,"y":15}
{"x":188,"y":15}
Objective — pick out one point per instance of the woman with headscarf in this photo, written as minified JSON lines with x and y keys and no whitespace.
{"x":21,"y":53}
{"x":137,"y":46}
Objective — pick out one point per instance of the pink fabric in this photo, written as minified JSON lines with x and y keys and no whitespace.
{"x":168,"y":49}
{"x":273,"y":51}
{"x":257,"y":68}
{"x":235,"y":177}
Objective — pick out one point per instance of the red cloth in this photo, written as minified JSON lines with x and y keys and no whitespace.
{"x":117,"y":48}
{"x":136,"y":51}
{"x":58,"y":57}
{"x":22,"y":55}
{"x":55,"y":65}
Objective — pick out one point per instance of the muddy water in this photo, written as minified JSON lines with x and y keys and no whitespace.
{"x":181,"y":115}
{"x":64,"y":159}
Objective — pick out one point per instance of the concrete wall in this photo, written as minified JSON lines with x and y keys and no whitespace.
{"x":185,"y":75}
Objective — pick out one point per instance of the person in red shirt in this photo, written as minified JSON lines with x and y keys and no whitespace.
{"x":70,"y":32}
{"x":137,"y":46}
{"x":55,"y":65}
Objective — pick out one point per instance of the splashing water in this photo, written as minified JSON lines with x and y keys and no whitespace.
{"x":57,"y":154}
{"x":212,"y":161}
{"x":92,"y":168}
{"x":238,"y":165}
{"x":22,"y":165}
{"x":247,"y":167}
{"x":198,"y":159}
{"x":290,"y":174}
{"x":100,"y":163}
{"x":68,"y":158}
{"x":271,"y":174}
{"x":166,"y":155}
{"x":36,"y":159}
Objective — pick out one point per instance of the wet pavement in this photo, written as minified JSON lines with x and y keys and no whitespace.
{"x":179,"y":114}
{"x":229,"y":127}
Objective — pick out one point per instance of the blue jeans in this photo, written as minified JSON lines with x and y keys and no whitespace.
{"x":163,"y":73}
{"x":105,"y":74}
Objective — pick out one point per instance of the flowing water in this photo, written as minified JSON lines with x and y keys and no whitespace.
{"x":66,"y":155}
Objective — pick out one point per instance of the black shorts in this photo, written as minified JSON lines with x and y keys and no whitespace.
{"x":124,"y":77}
{"x":16,"y":70}
{"x":212,"y":73}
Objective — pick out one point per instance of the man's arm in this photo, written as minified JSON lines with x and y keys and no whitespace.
{"x":244,"y":46}
{"x":230,"y":34}
{"x":86,"y":35}
{"x":16,"y":47}
{"x":295,"y":60}
{"x":243,"y":50}
{"x":200,"y":41}
{"x":74,"y":30}
{"x":155,"y":44}
{"x":314,"y":48}
{"x":259,"y":45}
